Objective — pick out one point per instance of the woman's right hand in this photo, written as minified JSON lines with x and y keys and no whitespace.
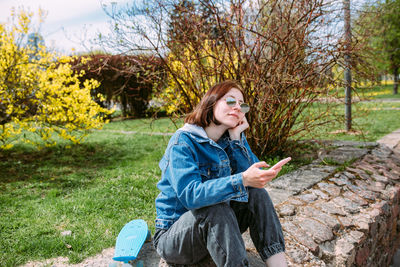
{"x":258,"y":178}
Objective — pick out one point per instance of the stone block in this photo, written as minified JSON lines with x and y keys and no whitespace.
{"x":327,"y":251}
{"x":392,"y":166}
{"x":340,"y":180}
{"x":370,"y":185}
{"x":395,"y":211}
{"x":362,"y":256}
{"x":319,"y":193}
{"x":355,"y":198}
{"x":359,"y":173}
{"x":278,"y":195}
{"x":391,"y":195}
{"x":297,"y":256}
{"x":300,"y":179}
{"x":286,"y":210}
{"x":302,"y":237}
{"x":331,"y":189}
{"x":348,"y":205}
{"x":382,"y":152}
{"x":392,"y":175}
{"x":345,"y":252}
{"x":349,"y":175}
{"x":363,"y":165}
{"x":295,"y":201}
{"x":317,"y":230}
{"x":380,"y":178}
{"x":345,"y":221}
{"x":357,"y":237}
{"x":362,"y":193}
{"x":383,"y":206}
{"x":363,"y":222}
{"x":395,"y":158}
{"x":307,"y":198}
{"x":345,"y":154}
{"x":330,"y":208}
{"x":382,"y":230}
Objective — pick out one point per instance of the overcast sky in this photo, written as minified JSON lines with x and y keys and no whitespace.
{"x":67,"y":21}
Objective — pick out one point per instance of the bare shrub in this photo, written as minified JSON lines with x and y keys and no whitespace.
{"x":281,"y":52}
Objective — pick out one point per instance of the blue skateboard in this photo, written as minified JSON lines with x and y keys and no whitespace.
{"x":129,"y":242}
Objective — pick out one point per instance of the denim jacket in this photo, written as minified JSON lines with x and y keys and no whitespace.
{"x":198,"y":172}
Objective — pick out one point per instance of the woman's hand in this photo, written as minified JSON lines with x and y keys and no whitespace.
{"x":255,"y":177}
{"x":234,"y":133}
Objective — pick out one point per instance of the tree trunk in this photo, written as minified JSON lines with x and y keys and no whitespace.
{"x":396,"y":79}
{"x":347,"y":59}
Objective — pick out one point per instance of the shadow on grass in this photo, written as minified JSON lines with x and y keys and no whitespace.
{"x":51,"y":164}
{"x":76,"y":166}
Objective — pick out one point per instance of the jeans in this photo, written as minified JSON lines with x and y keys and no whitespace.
{"x":216,"y":231}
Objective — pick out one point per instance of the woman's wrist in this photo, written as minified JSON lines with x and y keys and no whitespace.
{"x":244,"y":178}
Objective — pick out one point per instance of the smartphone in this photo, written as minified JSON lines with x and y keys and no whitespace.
{"x":281,"y":163}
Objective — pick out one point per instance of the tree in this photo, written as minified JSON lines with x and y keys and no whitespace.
{"x":390,"y":41}
{"x":379,"y":27}
{"x":39,"y":92}
{"x":124,"y":80}
{"x":279,"y":51}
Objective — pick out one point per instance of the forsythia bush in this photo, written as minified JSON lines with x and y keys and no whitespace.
{"x":192,"y":72}
{"x":39,"y":93}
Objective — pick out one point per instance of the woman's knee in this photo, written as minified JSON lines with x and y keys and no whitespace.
{"x":258,"y":194}
{"x":260,"y":201}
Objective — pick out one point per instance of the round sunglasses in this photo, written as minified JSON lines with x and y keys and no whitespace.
{"x":231,"y":102}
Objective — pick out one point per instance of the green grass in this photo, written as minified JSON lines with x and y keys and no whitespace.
{"x":370,"y":122}
{"x":377,"y":92}
{"x":93,"y":189}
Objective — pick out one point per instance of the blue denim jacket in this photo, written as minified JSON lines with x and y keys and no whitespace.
{"x":198,"y":172}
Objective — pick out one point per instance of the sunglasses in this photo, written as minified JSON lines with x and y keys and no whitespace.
{"x":231,"y":102}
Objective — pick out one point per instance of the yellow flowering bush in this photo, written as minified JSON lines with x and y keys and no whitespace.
{"x":41,"y":94}
{"x":194,"y":70}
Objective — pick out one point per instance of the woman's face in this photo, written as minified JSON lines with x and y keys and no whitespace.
{"x":226,"y":115}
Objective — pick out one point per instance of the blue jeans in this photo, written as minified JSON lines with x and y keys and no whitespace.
{"x":217,"y":231}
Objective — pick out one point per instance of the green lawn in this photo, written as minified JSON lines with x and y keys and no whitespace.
{"x":377,"y":92}
{"x":93,"y":189}
{"x":370,"y":121}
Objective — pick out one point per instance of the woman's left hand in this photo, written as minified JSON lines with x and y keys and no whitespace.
{"x":234,"y":133}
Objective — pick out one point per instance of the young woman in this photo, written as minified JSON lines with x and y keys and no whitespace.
{"x":212,"y":188}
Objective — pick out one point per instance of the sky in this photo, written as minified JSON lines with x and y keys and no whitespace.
{"x":68,"y":22}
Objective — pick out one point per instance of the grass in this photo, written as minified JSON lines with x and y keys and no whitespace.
{"x":377,"y":92}
{"x":370,"y":122}
{"x":93,"y":189}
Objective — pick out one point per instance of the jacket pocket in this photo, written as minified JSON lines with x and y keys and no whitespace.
{"x":208,"y":171}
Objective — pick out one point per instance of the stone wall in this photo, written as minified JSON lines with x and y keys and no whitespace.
{"x":334,"y":216}
{"x":346,"y":217}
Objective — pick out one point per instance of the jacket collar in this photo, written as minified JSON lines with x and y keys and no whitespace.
{"x":196,"y":131}
{"x":199,"y":134}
